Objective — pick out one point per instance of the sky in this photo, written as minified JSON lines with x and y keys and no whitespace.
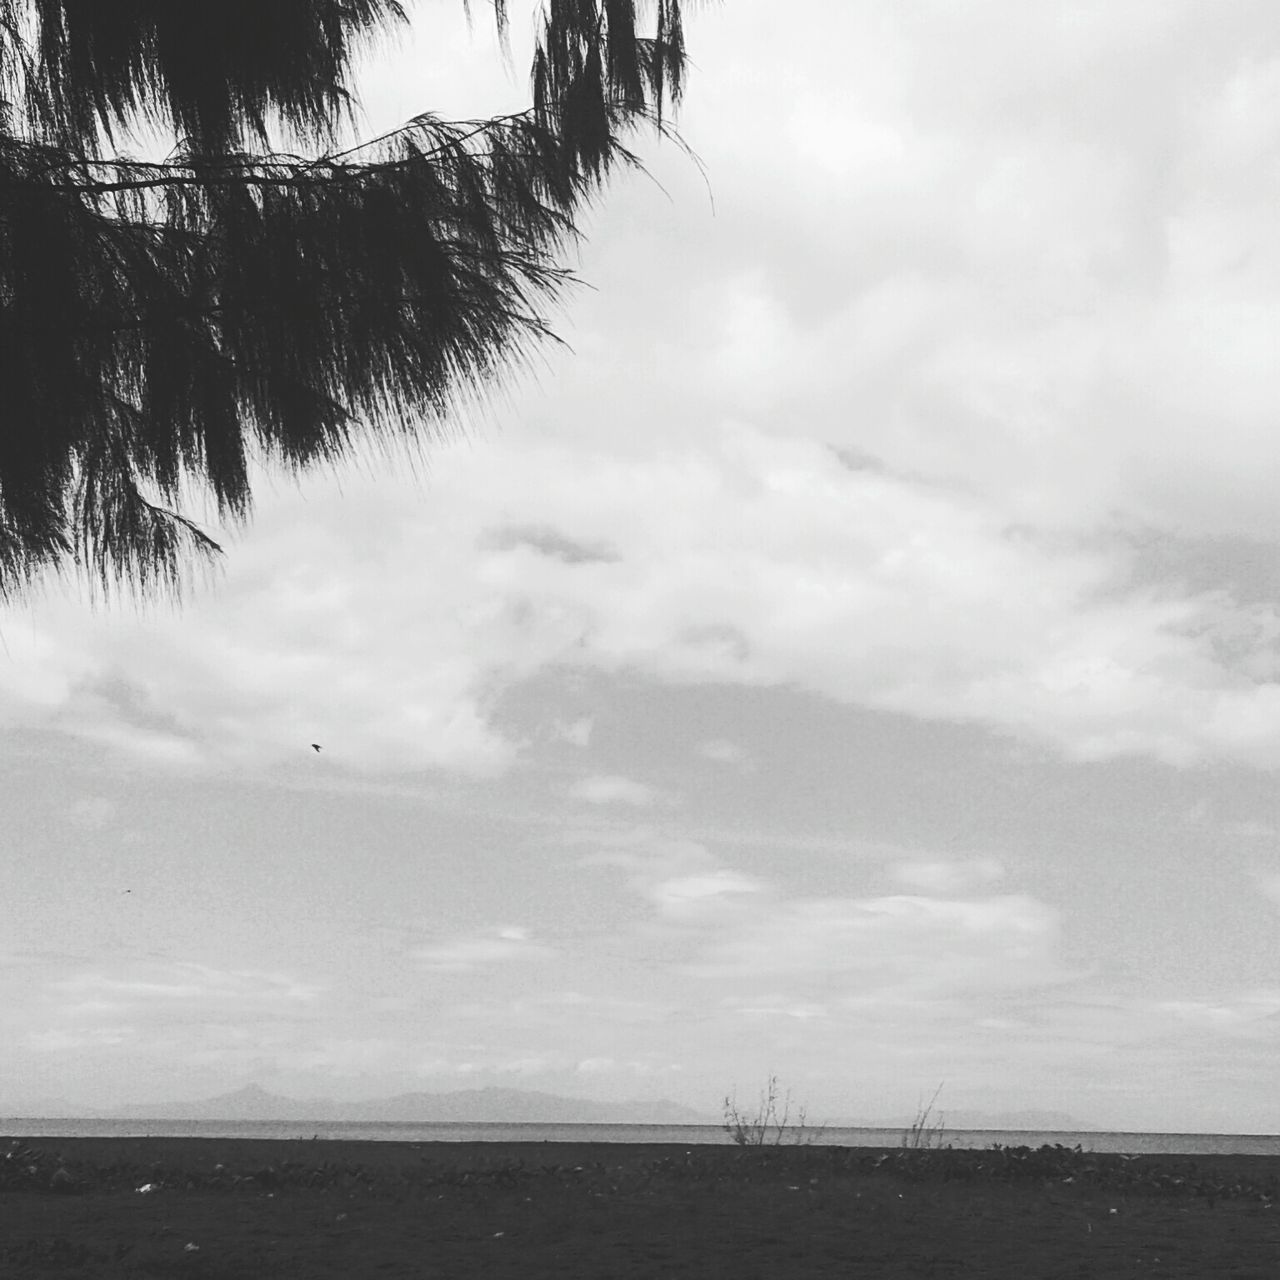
{"x":855,"y":655}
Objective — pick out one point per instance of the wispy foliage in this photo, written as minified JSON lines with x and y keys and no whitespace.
{"x":217,"y":72}
{"x":164,"y":324}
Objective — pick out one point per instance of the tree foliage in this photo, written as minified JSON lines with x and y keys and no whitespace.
{"x":165,"y":325}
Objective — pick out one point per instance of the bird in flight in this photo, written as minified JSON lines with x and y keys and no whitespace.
{"x":315,"y":746}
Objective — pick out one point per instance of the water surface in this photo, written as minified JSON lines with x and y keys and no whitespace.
{"x":686,"y":1134}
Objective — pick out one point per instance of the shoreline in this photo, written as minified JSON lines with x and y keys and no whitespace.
{"x":503,"y":1134}
{"x":394,"y":1154}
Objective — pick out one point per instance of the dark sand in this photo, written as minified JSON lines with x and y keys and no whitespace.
{"x":610,"y":1212}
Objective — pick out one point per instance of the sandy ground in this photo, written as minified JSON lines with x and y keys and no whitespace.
{"x":427,"y":1210}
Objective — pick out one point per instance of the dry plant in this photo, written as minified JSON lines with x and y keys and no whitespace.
{"x":926,"y":1131}
{"x":771,"y":1123}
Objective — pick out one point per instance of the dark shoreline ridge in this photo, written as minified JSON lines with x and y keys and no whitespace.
{"x":107,"y":1163}
{"x":232,"y":1207}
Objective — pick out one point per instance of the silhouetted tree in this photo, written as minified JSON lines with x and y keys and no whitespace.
{"x":164,"y":324}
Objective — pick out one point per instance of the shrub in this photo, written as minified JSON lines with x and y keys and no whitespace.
{"x":768,"y":1126}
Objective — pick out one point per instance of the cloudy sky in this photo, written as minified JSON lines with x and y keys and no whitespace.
{"x":856,"y":657}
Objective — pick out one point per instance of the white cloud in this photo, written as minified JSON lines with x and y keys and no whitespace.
{"x":1245,"y":1014}
{"x":184,"y":982}
{"x":91,"y":1038}
{"x":493,"y":1064}
{"x":303,"y":642}
{"x":654,"y":861}
{"x":772,"y":563}
{"x":605,"y":1066}
{"x":811,"y":957}
{"x":602,"y":789}
{"x":695,"y":896}
{"x":754,"y":1009}
{"x":467,"y":952}
{"x":892,"y":947}
{"x":139,"y":1022}
{"x":898,"y":596}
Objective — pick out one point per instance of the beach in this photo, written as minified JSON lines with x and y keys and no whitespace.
{"x":224,"y":1208}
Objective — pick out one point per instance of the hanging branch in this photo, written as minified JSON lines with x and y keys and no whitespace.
{"x":160,"y":323}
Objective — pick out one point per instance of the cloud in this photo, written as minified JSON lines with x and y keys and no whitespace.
{"x":64,"y":1041}
{"x":754,"y":1009}
{"x":601,"y":789}
{"x":696,"y":896}
{"x":606,"y":1066}
{"x":891,"y":948}
{"x":302,"y":641}
{"x":546,"y":542}
{"x":493,"y":1064}
{"x":903,"y":597}
{"x":772,"y":564}
{"x":159,"y":1013}
{"x":183,"y":982}
{"x":467,"y":952}
{"x":753,"y":945}
{"x":983,"y":229}
{"x":653,"y":860}
{"x":1249,"y":1014}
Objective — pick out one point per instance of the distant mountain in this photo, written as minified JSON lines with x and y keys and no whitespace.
{"x":469,"y":1106}
{"x":496,"y":1106}
{"x":249,"y":1103}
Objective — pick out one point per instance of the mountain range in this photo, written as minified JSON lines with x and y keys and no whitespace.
{"x":495,"y":1106}
{"x":468,"y":1106}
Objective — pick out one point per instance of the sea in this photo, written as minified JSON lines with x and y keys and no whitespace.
{"x":680,"y":1134}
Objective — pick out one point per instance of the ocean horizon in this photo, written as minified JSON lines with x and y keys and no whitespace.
{"x":686,"y":1134}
